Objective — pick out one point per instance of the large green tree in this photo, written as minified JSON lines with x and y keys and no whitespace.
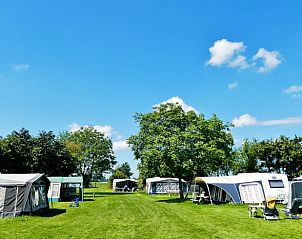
{"x":50,"y":156}
{"x":16,"y":155}
{"x":175,"y":143}
{"x":92,"y":150}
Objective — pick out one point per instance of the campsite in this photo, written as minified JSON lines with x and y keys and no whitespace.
{"x":138,"y":215}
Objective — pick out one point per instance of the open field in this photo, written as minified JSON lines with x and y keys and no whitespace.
{"x":118,"y":215}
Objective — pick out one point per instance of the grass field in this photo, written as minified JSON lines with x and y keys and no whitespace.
{"x":119,"y":215}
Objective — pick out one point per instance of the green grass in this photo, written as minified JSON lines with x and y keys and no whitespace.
{"x":118,"y":215}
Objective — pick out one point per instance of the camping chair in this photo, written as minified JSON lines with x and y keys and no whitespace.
{"x":75,"y":202}
{"x":295,"y":209}
{"x":270,"y":211}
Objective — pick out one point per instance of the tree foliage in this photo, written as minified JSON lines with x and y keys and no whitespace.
{"x":92,"y":150}
{"x":175,"y":143}
{"x":122,"y":171}
{"x":282,"y":155}
{"x":22,"y":153}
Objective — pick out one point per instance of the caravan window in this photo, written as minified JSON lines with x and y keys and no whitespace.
{"x":276,"y":183}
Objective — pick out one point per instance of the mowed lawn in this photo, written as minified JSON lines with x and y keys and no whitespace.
{"x":127,"y":215}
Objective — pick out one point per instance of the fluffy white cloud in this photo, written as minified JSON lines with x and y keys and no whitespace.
{"x":239,"y":62}
{"x":294,"y":91}
{"x":223,"y":52}
{"x":244,"y":120}
{"x":248,"y":120}
{"x":177,"y":100}
{"x":107,"y":130}
{"x":120,"y":145}
{"x":270,"y":59}
{"x":232,"y":86}
{"x":230,"y":54}
{"x":21,"y":67}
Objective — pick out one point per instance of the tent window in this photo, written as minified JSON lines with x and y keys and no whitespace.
{"x":276,"y":183}
{"x":35,"y":196}
{"x":55,"y":190}
{"x":42,"y":194}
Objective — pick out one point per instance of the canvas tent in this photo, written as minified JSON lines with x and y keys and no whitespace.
{"x":65,"y":188}
{"x":245,"y":187}
{"x":159,"y":185}
{"x":119,"y":184}
{"x":22,"y":193}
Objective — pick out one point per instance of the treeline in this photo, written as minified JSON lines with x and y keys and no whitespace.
{"x":22,"y":153}
{"x":282,"y":155}
{"x":85,"y":152}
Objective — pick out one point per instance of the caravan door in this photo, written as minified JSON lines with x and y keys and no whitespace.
{"x":251,"y":193}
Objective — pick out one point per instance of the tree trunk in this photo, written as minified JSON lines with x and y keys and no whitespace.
{"x":181,"y":193}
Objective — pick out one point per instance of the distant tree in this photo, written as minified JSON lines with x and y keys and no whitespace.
{"x":92,"y":150}
{"x":126,"y":169}
{"x":175,"y":143}
{"x":246,"y":159}
{"x":16,"y":155}
{"x":51,"y":157}
{"x":122,"y":171}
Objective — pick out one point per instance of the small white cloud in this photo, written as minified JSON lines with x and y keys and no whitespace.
{"x":239,"y":62}
{"x":295,"y":91}
{"x":270,"y":60}
{"x":286,"y":121}
{"x":248,"y":120}
{"x":232,"y":86}
{"x":177,"y":100}
{"x":244,"y":120}
{"x":227,"y":52}
{"x":120,"y":145}
{"x":107,"y":130}
{"x":21,"y":67}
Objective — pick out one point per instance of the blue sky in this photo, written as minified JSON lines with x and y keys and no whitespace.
{"x":66,"y":64}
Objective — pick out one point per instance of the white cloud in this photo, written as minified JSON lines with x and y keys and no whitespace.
{"x":232,"y":86}
{"x":248,"y":120}
{"x":230,"y":54}
{"x":270,"y":59}
{"x":239,"y":62}
{"x":107,"y":130}
{"x":177,"y":100}
{"x":120,"y":145}
{"x":244,"y":120}
{"x":227,"y":52}
{"x":21,"y":67}
{"x":294,"y":91}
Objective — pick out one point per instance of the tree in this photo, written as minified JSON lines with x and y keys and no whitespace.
{"x":17,"y":152}
{"x":246,"y":159}
{"x":122,"y":171}
{"x":92,"y":150}
{"x":50,"y":156}
{"x":175,"y":143}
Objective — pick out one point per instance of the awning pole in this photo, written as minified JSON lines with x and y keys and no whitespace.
{"x":209,"y":193}
{"x":16,"y":202}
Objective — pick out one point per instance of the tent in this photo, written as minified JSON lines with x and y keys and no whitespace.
{"x":22,"y":193}
{"x":65,"y":189}
{"x":245,"y":187}
{"x":119,"y":184}
{"x":159,"y":185}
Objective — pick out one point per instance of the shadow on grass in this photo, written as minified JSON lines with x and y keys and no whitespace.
{"x":170,"y":200}
{"x":88,"y":200}
{"x":102,"y":194}
{"x":49,"y":213}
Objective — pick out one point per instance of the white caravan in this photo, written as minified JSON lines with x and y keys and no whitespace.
{"x":245,"y":187}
